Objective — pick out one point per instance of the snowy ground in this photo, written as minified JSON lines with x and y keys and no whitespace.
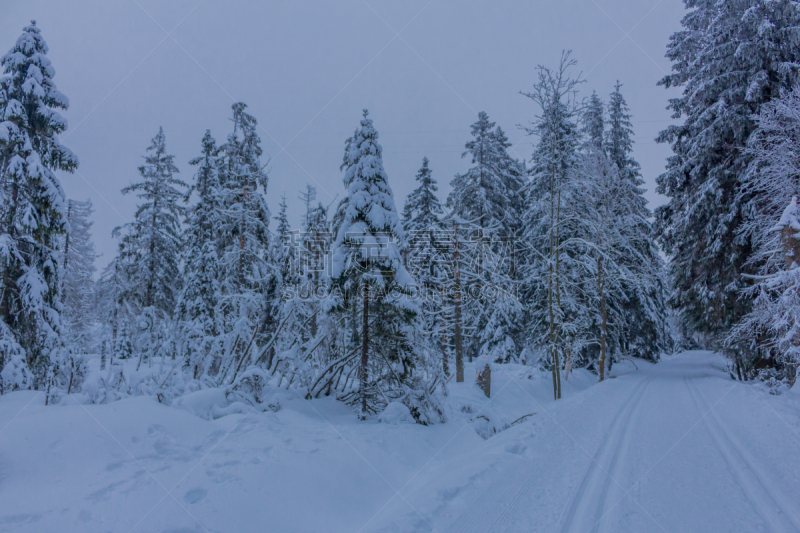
{"x":676,"y":446}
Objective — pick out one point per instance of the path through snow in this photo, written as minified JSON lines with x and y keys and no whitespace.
{"x":677,"y":446}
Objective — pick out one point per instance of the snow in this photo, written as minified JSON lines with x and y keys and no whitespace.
{"x":396,"y":413}
{"x":789,"y":217}
{"x":676,"y":446}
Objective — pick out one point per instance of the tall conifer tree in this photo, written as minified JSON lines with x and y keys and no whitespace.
{"x":32,"y":211}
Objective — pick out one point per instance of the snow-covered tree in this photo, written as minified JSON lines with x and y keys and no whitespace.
{"x":486,"y":197}
{"x":367,"y":268}
{"x":283,"y":252}
{"x":772,"y":329}
{"x":117,"y":313}
{"x":150,"y":251}
{"x":481,"y":193}
{"x":243,"y":225}
{"x":199,"y":296}
{"x":78,"y":264}
{"x":646,"y":306}
{"x":153,"y":239}
{"x":619,"y":138}
{"x":772,"y":181}
{"x":550,"y":274}
{"x":773,"y":178}
{"x":32,"y":211}
{"x":594,"y":122}
{"x":620,"y":282}
{"x":423,"y":209}
{"x":427,"y":257}
{"x":731,"y":58}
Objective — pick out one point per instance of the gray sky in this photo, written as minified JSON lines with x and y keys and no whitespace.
{"x":424,"y":68}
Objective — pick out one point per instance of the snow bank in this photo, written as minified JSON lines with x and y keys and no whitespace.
{"x":139,"y":465}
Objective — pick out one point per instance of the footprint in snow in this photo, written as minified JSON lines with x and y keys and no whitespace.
{"x":195,"y":495}
{"x":516,"y":449}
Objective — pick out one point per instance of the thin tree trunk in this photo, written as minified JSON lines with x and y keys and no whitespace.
{"x":558,"y":283}
{"x":604,"y":315}
{"x":553,"y":279}
{"x":364,"y":352}
{"x":445,"y":365}
{"x":66,"y":242}
{"x":152,"y":281}
{"x":457,"y":313}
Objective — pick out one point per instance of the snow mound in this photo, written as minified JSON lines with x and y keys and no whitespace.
{"x":396,"y":413}
{"x":207,"y":403}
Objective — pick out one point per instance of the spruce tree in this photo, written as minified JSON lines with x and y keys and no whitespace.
{"x":481,"y":194}
{"x":486,"y":198}
{"x":731,"y":58}
{"x":367,"y":268}
{"x":150,"y":250}
{"x":282,"y":249}
{"x":428,"y":257}
{"x":245,"y":270}
{"x":199,"y":295}
{"x":646,"y":308}
{"x":32,"y":211}
{"x":153,"y":238}
{"x":594,"y":122}
{"x":773,"y":182}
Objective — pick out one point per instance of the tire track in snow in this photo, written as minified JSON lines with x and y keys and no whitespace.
{"x":621,"y":452}
{"x":776,"y":512}
{"x":597,"y":481}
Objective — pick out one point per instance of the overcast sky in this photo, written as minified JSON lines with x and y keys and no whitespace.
{"x":424,"y":69}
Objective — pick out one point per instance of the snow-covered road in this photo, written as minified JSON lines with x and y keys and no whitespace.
{"x":675,"y":447}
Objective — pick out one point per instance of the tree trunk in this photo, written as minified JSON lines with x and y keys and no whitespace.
{"x":485,"y":380}
{"x":457,"y":313}
{"x":148,"y":299}
{"x":66,"y":243}
{"x":552,"y":292}
{"x":604,"y":317}
{"x":445,"y":365}
{"x":364,"y":353}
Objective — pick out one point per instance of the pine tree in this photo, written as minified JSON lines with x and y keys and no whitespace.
{"x":769,"y":330}
{"x":150,"y":251}
{"x":282,"y":249}
{"x":112,"y":288}
{"x":427,"y":257}
{"x":772,"y":329}
{"x":366,"y":265}
{"x":199,"y":295}
{"x":646,"y":307}
{"x":153,"y":239}
{"x":594,"y":122}
{"x":422,"y":209}
{"x":32,"y":211}
{"x":619,"y":139}
{"x":480,"y":194}
{"x":731,"y":58}
{"x":484,"y":197}
{"x":78,"y":264}
{"x":245,"y":269}
{"x":307,"y":197}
